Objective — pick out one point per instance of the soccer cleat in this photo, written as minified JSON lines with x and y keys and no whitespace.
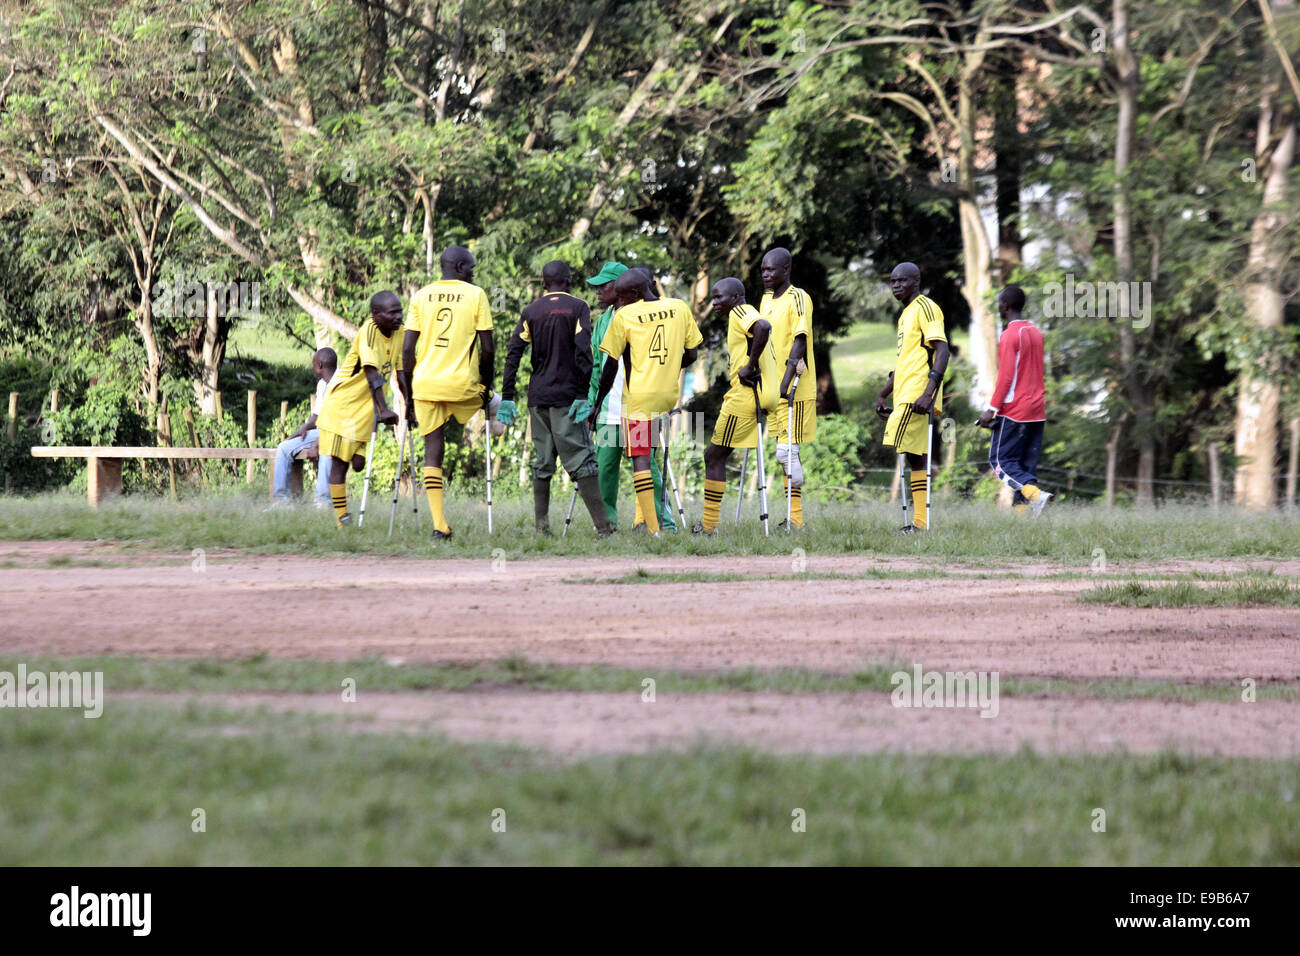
{"x":638,"y":527}
{"x":1040,"y":502}
{"x":441,"y":535}
{"x":698,"y":528}
{"x":607,"y":532}
{"x":907,"y":529}
{"x":785,"y":522}
{"x":345,"y":520}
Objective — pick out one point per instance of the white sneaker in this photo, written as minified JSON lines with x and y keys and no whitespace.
{"x":1039,"y":503}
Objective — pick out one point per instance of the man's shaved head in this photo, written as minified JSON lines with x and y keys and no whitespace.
{"x":458,"y":263}
{"x":905,"y":282}
{"x":386,"y":310}
{"x":775,"y":270}
{"x":557,"y":273}
{"x":727,"y":294}
{"x":631,"y":286}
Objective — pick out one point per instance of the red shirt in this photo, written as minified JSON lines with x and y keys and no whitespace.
{"x":1018,"y":394}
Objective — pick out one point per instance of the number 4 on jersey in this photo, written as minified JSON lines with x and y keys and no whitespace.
{"x":657,"y":348}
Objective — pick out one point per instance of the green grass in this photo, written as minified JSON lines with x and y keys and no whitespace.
{"x":1256,"y":591}
{"x":264,"y":673}
{"x":969,"y":533}
{"x":278,"y":789}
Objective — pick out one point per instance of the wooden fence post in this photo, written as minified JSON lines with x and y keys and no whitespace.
{"x":11,"y":429}
{"x":165,"y":433}
{"x":252,"y":431}
{"x":284,"y":411}
{"x":1293,"y":459}
{"x":1216,"y":482}
{"x":54,"y":399}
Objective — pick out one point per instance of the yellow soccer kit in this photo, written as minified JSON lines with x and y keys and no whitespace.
{"x":737,"y":427}
{"x":791,"y":315}
{"x":448,"y":315}
{"x":653,"y":335}
{"x":920,"y":326}
{"x":347,"y":415}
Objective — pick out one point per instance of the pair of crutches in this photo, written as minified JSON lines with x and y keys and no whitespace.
{"x":904,"y":486}
{"x":762,"y":467}
{"x":762,"y":470}
{"x":668,"y":474}
{"x":415,"y":484}
{"x":408,"y":436}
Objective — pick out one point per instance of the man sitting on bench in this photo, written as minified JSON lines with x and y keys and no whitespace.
{"x":324,"y":365}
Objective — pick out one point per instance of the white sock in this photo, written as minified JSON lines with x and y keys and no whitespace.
{"x":788,"y":457}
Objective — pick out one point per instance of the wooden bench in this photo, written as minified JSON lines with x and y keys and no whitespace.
{"x":104,"y":463}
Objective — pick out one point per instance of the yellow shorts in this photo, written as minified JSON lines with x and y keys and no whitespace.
{"x":735,"y":431}
{"x":805,"y":421}
{"x":344,"y":449}
{"x":905,"y":430}
{"x":431,"y":416}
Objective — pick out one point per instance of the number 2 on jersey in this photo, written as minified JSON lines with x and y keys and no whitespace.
{"x":657,"y":348}
{"x":443,"y":318}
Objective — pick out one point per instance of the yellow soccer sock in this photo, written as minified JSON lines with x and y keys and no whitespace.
{"x":713,"y":492}
{"x":644,"y":485}
{"x":433,"y":489}
{"x":339,"y":498}
{"x":1031,"y":492}
{"x":796,"y":504}
{"x":637,"y":518}
{"x":918,"y":500}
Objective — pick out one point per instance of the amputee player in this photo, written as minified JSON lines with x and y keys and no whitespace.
{"x":356,"y":397}
{"x":916,"y":382}
{"x":607,"y":420}
{"x":558,"y":327}
{"x":654,"y":339}
{"x":753,"y":364}
{"x":789,"y":311}
{"x":447,"y":351}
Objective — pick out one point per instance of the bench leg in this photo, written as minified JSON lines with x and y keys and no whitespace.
{"x":103,"y":479}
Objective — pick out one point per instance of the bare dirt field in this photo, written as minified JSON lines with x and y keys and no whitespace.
{"x":71,"y":598}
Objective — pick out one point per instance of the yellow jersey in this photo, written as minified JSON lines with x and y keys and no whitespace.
{"x":348,"y":409}
{"x":739,"y":399}
{"x":791,"y":316}
{"x":653,"y":334}
{"x":448,"y":314}
{"x":919,"y":325}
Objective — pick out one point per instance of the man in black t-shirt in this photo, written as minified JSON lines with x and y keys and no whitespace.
{"x":558,"y":327}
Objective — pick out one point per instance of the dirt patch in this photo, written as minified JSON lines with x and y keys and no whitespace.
{"x":466,"y":610}
{"x":580,"y":724}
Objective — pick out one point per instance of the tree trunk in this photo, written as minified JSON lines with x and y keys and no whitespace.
{"x":1259,"y":396}
{"x":977,"y":253}
{"x":152,"y":354}
{"x":212,"y":351}
{"x":1008,"y":148}
{"x":1123,"y":211}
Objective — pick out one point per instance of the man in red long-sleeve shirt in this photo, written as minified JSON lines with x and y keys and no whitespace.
{"x":1016,"y":412}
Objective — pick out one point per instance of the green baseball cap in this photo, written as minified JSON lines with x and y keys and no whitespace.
{"x":608,"y":273}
